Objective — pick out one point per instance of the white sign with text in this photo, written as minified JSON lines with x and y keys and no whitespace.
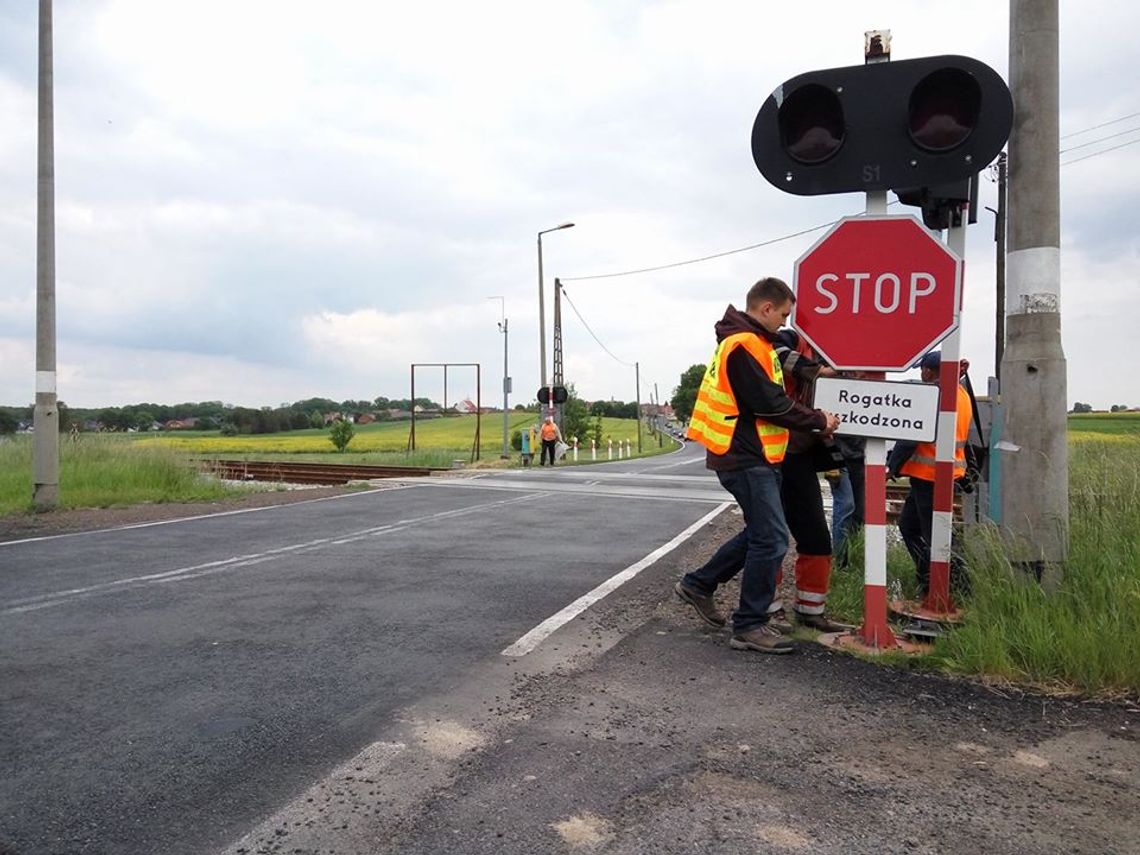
{"x":884,"y":409}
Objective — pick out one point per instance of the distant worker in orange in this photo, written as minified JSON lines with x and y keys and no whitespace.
{"x":551,"y":436}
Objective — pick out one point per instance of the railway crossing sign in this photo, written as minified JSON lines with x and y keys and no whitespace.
{"x":876,"y":293}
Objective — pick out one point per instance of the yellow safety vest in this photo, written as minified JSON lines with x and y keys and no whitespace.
{"x":715,"y":411}
{"x":921,"y":463}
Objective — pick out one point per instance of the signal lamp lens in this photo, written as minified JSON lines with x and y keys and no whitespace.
{"x":944,"y":109}
{"x":811,"y":124}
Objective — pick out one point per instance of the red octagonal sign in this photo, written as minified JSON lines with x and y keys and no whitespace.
{"x":877,"y":292}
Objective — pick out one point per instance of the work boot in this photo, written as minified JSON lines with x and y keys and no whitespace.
{"x":764,"y":639}
{"x":779,"y":620}
{"x":822,"y":623}
{"x":703,"y":604}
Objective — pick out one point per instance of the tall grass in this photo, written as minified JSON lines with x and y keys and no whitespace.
{"x":1081,"y":636}
{"x":1084,"y":634}
{"x":104,"y":471}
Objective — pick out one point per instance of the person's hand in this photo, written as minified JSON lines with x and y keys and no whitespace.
{"x":828,"y":371}
{"x":832,"y":423}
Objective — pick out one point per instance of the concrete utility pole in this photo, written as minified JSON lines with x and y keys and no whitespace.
{"x":45,"y":449}
{"x":1034,"y":451}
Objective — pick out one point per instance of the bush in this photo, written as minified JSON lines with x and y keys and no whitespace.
{"x":341,"y":433}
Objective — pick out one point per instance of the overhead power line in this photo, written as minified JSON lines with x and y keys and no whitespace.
{"x":1099,"y":153}
{"x":1100,"y":140}
{"x":702,"y":258}
{"x":1097,"y":127}
{"x":591,"y":332}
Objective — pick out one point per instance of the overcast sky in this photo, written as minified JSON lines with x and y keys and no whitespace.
{"x":259,"y":202}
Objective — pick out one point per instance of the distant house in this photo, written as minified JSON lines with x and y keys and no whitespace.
{"x":332,"y":417}
{"x":365,"y":418}
{"x":466,"y":406}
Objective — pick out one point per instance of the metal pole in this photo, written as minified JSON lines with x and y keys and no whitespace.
{"x":541,"y":318}
{"x":478,"y":411}
{"x":45,"y":419}
{"x":938,"y":597}
{"x":413,"y":407}
{"x":542,"y":306}
{"x":506,"y":395}
{"x":444,"y":413}
{"x":637,"y":375}
{"x":1035,"y":462}
{"x":999,"y":237}
{"x":556,"y":376}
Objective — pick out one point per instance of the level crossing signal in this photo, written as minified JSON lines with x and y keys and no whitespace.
{"x":561,"y":396}
{"x":920,"y":127}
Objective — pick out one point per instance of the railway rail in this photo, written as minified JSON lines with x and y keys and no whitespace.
{"x":291,"y":472}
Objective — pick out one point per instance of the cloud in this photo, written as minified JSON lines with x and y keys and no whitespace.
{"x":309,"y":200}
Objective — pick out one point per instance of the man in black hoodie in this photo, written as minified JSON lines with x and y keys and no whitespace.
{"x":743,"y":417}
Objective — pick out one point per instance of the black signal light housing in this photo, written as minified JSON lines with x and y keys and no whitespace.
{"x":918,"y":123}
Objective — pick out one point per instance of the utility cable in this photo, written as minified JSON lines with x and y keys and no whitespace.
{"x":591,"y":332}
{"x":768,"y":242}
{"x":1100,"y":140}
{"x":1097,"y":127}
{"x":1098,"y":153}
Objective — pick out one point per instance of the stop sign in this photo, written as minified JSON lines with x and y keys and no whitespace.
{"x":876,"y":292}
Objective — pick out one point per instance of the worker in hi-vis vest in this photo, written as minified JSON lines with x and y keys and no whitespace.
{"x":551,"y":436}
{"x":916,"y":460}
{"x":742,"y":416}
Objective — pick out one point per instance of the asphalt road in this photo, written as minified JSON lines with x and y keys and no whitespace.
{"x":164,"y":687}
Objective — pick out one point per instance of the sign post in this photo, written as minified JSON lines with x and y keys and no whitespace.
{"x":873,"y":295}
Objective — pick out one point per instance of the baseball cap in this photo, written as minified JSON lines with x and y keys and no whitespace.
{"x":931,"y":361}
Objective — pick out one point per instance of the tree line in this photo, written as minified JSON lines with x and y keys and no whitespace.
{"x":215,"y":415}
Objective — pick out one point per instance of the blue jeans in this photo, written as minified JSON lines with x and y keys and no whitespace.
{"x":842,"y":507}
{"x":758,"y":550}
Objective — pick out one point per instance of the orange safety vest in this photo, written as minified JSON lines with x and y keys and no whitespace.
{"x":715,"y":411}
{"x":549,"y":431}
{"x":921,"y":463}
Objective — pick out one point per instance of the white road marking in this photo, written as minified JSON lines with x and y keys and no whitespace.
{"x":537,"y":635}
{"x":195,"y":571}
{"x":401,"y":486}
{"x":655,"y":494}
{"x":688,"y":462}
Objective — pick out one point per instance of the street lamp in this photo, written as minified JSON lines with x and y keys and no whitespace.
{"x":542,"y":304}
{"x":506,"y":377}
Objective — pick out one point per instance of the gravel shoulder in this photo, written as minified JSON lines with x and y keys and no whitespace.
{"x":636,"y":729}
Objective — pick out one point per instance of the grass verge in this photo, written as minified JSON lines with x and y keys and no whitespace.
{"x":101,"y":472}
{"x":1080,"y":637}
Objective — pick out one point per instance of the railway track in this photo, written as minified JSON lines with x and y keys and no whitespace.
{"x":308,"y":473}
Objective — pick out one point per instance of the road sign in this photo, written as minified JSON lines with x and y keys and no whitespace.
{"x":880,"y":408}
{"x":876,"y":292}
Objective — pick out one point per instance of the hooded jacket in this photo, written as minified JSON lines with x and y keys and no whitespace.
{"x":757,"y":397}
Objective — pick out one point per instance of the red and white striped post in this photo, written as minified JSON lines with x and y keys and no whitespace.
{"x":938,"y":598}
{"x":875,"y":631}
